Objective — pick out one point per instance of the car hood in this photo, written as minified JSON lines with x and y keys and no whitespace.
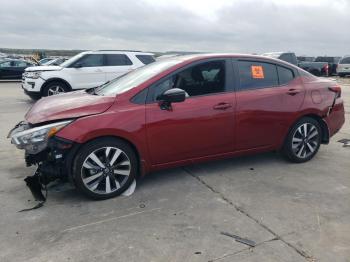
{"x":67,"y":106}
{"x":43,"y":68}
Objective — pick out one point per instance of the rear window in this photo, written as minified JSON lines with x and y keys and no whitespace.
{"x":117,"y":60}
{"x":255,"y":75}
{"x":285,"y":75}
{"x":146,"y":59}
{"x":307,"y":77}
{"x":345,"y":60}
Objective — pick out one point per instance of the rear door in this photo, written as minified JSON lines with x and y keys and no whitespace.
{"x":268,"y":99}
{"x":86,"y":72}
{"x":202,"y":125}
{"x":5,"y":69}
{"x":18,"y":69}
{"x":117,"y":65}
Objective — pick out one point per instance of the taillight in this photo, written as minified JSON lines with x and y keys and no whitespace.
{"x":336,"y":90}
{"x":325,"y":68}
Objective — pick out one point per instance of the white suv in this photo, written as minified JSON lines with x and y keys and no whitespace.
{"x":85,"y":70}
{"x":343,"y":68}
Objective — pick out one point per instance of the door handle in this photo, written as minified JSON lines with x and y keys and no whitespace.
{"x":98,"y":70}
{"x":222,"y":106}
{"x":293,"y":92}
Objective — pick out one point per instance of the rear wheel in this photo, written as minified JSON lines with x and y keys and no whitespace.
{"x":105,"y":168}
{"x":341,"y":75}
{"x":55,"y":88}
{"x":303,"y":140}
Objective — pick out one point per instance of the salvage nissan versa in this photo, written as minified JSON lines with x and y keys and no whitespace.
{"x":178,"y":111}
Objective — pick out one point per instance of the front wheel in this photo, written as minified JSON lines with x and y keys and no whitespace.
{"x":303,"y":140}
{"x":55,"y":88}
{"x":105,"y":168}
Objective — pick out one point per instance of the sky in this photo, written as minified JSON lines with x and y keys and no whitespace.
{"x":308,"y":27}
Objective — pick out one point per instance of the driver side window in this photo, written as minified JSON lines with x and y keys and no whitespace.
{"x":91,"y":60}
{"x":202,"y":79}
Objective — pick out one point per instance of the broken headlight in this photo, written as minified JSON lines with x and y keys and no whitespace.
{"x":35,"y":140}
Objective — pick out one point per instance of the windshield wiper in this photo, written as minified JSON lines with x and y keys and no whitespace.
{"x":93,"y":90}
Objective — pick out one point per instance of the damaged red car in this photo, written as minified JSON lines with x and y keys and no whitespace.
{"x":175,"y":112}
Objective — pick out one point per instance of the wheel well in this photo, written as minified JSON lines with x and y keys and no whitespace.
{"x":134,"y":148}
{"x":55,"y":80}
{"x":323,"y":124}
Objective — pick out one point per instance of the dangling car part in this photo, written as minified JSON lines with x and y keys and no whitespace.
{"x":43,"y":150}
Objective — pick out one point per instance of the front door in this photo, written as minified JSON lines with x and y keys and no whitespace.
{"x":87,"y":72}
{"x":203,"y":124}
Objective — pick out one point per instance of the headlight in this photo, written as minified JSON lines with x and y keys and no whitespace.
{"x":35,"y":140}
{"x":34,"y":75}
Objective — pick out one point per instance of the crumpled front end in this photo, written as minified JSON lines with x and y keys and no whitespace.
{"x":52,"y":155}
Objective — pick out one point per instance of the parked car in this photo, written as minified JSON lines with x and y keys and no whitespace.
{"x":305,"y":58}
{"x":332,"y":63}
{"x":56,"y":61}
{"x":45,"y":60}
{"x":85,"y":70}
{"x":315,"y":68}
{"x":289,"y":57}
{"x":178,"y":111}
{"x":343,"y":68}
{"x":13,"y":68}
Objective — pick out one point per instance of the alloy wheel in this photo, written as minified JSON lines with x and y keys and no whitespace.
{"x":105,"y":170}
{"x":54,"y":90}
{"x":305,"y":140}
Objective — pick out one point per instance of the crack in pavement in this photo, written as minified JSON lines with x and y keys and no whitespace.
{"x":239,"y":209}
{"x":244,"y":249}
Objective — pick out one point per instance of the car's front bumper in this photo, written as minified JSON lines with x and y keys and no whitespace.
{"x":33,"y":95}
{"x":31,"y":85}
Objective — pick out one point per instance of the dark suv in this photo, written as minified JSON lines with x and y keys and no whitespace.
{"x":332,"y":63}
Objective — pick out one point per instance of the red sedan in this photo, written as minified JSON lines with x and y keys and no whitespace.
{"x":175,"y":112}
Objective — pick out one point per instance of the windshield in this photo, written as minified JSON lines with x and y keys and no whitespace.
{"x":136,"y":77}
{"x":72,"y":60}
{"x":345,"y":60}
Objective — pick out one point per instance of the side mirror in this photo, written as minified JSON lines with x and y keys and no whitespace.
{"x":173,"y":95}
{"x":78,"y":65}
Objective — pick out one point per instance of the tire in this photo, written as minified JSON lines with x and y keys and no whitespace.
{"x":54,"y":88}
{"x":341,"y":75}
{"x":97,"y":182}
{"x":299,"y":148}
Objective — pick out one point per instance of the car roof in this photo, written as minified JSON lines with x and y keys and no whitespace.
{"x":195,"y":57}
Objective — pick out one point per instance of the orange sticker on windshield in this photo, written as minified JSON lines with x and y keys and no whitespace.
{"x":257,"y":72}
